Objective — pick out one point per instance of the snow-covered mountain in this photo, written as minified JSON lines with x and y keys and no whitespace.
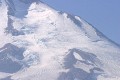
{"x":40,"y":43}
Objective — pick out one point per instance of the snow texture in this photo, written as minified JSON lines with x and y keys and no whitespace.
{"x":40,"y":43}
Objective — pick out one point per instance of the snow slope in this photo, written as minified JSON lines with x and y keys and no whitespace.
{"x":40,"y":43}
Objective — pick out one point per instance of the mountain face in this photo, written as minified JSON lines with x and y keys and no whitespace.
{"x":40,"y":43}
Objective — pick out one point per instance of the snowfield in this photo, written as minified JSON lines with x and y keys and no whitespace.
{"x":40,"y":43}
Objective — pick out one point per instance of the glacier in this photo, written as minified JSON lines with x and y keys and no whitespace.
{"x":40,"y":43}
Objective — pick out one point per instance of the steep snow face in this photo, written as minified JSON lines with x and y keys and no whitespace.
{"x":40,"y":43}
{"x":18,"y":10}
{"x":3,"y":24}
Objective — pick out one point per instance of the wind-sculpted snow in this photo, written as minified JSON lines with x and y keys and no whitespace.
{"x":15,"y":9}
{"x":87,"y":58}
{"x":7,"y":78}
{"x":40,"y":43}
{"x":12,"y":59}
{"x":75,"y":73}
{"x":9,"y":58}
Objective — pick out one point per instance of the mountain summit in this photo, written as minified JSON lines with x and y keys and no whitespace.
{"x":40,"y":43}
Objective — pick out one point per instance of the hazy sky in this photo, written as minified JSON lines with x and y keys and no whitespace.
{"x":102,"y":14}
